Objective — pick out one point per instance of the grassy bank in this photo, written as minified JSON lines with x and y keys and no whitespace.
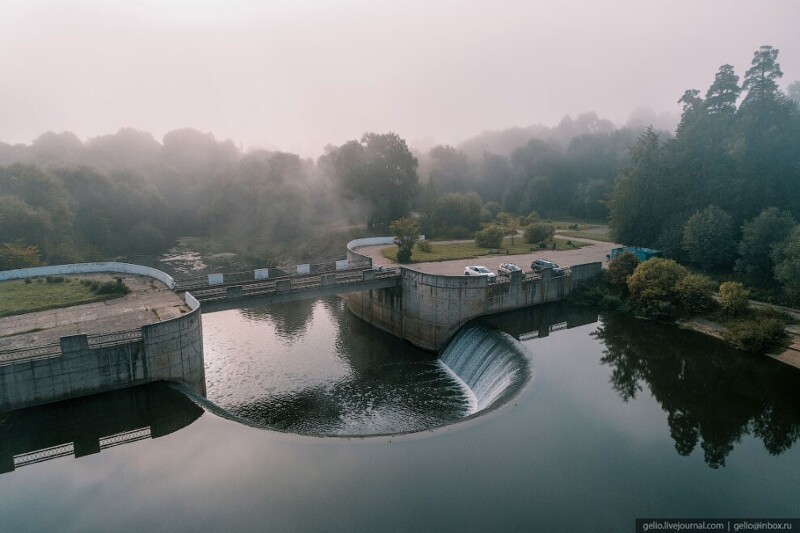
{"x":18,"y":297}
{"x":466,"y":250}
{"x":603,"y":237}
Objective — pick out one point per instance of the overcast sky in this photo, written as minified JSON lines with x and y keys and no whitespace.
{"x":296,"y":75}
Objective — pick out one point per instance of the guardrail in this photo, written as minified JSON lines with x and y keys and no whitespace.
{"x":293,"y":284}
{"x":24,"y":354}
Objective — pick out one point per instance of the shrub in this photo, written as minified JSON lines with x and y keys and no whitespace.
{"x":538,"y":232}
{"x":425,"y":246}
{"x":620,"y":269}
{"x":531,"y":218}
{"x":55,"y":279}
{"x":653,"y":286}
{"x":696,"y":293}
{"x":28,"y":281}
{"x":757,"y":335}
{"x":733,"y":298}
{"x":491,"y":237}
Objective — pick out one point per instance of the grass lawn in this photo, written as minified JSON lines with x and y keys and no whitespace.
{"x":465,"y":250}
{"x":604,"y":237}
{"x":18,"y":297}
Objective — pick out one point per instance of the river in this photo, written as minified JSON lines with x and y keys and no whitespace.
{"x":607,"y":419}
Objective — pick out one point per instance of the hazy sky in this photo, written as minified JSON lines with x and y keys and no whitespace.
{"x":296,"y":75}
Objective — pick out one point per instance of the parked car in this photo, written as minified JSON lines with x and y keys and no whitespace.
{"x":479,"y":271}
{"x":507,"y":268}
{"x":540,"y":264}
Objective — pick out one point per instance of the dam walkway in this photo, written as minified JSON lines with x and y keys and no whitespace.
{"x":221,"y":288}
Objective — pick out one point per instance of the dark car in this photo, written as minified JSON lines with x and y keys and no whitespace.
{"x":540,"y":264}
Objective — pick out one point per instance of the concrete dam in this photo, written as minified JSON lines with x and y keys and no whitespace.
{"x":426,"y":310}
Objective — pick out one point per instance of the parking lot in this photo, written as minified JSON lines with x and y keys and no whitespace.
{"x":596,"y":251}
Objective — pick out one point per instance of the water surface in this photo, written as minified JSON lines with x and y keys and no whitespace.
{"x":623,"y":419}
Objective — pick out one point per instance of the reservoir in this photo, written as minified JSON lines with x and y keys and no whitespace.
{"x":548,"y":419}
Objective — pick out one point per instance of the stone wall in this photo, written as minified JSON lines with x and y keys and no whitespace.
{"x":166,"y":351}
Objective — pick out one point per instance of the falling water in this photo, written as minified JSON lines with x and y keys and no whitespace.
{"x":490,"y":364}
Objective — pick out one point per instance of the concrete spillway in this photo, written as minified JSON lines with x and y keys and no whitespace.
{"x":490,"y":364}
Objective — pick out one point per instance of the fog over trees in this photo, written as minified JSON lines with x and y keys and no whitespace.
{"x":692,"y":192}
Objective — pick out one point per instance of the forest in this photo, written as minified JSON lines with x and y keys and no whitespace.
{"x":721,"y":192}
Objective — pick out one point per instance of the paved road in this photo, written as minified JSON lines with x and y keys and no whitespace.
{"x":596,"y":251}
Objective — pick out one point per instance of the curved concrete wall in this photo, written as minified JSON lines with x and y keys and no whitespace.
{"x":428,"y":310}
{"x":88,"y":268}
{"x":357,"y":259}
{"x":167,"y":351}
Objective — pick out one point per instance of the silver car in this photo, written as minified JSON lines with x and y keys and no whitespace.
{"x":479,"y":271}
{"x":507,"y":268}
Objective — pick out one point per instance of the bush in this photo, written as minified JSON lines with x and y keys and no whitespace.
{"x":55,"y":279}
{"x":653,"y":286}
{"x":696,"y":293}
{"x":733,"y":298}
{"x":425,"y":246}
{"x":756,"y":336}
{"x":491,"y":237}
{"x":620,"y":269}
{"x":532,"y":218}
{"x":538,"y":232}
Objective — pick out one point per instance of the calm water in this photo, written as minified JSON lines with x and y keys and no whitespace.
{"x":621,"y":419}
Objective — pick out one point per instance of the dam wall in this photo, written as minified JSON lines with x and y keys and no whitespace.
{"x":81,"y":365}
{"x":429,"y":309}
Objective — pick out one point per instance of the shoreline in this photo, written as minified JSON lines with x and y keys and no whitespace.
{"x":789,"y":356}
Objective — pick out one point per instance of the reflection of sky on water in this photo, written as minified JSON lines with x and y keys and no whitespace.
{"x":568,"y":454}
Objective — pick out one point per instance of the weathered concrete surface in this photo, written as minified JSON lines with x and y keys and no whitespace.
{"x":148,"y":302}
{"x":148,"y":335}
{"x":428,"y":309}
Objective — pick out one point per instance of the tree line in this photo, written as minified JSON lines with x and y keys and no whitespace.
{"x":724,"y":193}
{"x":697,"y":195}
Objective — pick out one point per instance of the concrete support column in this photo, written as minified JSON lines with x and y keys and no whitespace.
{"x":283,"y":286}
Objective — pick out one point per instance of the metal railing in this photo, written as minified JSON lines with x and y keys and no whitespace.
{"x":45,"y":454}
{"x":102,"y":340}
{"x":23,"y":354}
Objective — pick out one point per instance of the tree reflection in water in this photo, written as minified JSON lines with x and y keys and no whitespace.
{"x":713,"y":395}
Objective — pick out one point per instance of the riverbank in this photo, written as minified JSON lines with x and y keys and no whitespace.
{"x":790,"y":355}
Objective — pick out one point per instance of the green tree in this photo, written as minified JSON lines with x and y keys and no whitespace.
{"x":455,"y":215}
{"x":643,"y":197}
{"x":760,"y":79}
{"x":722,"y":95}
{"x":13,"y":256}
{"x":696,"y":293}
{"x":708,"y":238}
{"x":491,"y":237}
{"x":620,"y":270}
{"x":793,"y":91}
{"x":787,"y":266}
{"x":654,"y":286}
{"x":450,"y":169}
{"x":378,"y":170}
{"x":406,"y":235}
{"x":760,"y":238}
{"x":538,"y":232}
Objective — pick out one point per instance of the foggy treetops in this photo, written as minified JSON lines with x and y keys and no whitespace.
{"x":736,"y":148}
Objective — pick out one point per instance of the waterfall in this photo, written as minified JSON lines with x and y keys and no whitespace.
{"x":490,"y":364}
